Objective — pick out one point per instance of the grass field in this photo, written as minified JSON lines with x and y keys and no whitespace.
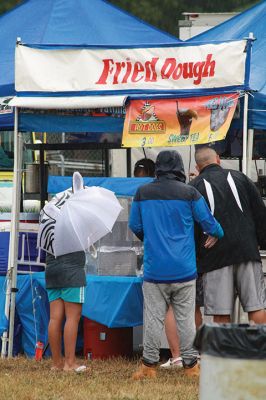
{"x":26,"y":379}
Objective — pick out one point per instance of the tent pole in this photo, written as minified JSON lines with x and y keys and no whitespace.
{"x":250,"y":151}
{"x":245,"y":134}
{"x":128,"y":162}
{"x":9,"y":269}
{"x":237,"y":310}
{"x":14,"y":231}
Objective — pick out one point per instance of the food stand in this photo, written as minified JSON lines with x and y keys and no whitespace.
{"x":152,"y":74}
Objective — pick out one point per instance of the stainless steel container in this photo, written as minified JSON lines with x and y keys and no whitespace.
{"x":32,"y":177}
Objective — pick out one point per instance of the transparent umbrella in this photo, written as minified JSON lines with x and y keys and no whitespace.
{"x":85,"y":217}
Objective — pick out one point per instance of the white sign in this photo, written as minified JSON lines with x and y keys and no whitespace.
{"x":183,"y":67}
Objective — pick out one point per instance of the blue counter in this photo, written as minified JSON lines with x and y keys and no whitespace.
{"x":114,"y":301}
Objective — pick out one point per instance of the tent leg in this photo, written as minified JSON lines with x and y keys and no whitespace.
{"x":43,"y":181}
{"x":245,"y":134}
{"x":244,"y":169}
{"x":106,"y":162}
{"x":128,"y":162}
{"x":13,"y":241}
{"x":250,"y":151}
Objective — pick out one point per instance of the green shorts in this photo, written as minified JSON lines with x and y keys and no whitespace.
{"x":71,"y":295}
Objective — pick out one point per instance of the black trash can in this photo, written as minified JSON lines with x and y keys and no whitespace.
{"x":233,"y":361}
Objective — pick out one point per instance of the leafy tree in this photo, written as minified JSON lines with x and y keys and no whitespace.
{"x":8,"y":4}
{"x":165,"y":13}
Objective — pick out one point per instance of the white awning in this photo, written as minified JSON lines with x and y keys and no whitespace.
{"x":68,"y":102}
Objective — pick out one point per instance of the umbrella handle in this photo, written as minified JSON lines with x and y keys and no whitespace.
{"x":93,"y":251}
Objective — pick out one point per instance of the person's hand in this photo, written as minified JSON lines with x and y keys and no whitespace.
{"x":210,"y":242}
{"x":193,"y":175}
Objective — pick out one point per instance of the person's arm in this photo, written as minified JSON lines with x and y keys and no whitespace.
{"x":206,"y":220}
{"x":135,"y":219}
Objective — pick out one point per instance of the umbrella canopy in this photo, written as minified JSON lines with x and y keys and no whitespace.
{"x":85,"y":217}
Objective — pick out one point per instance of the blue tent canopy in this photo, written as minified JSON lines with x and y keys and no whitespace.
{"x":239,"y":27}
{"x":76,"y":22}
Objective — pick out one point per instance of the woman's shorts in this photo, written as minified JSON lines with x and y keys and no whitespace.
{"x":71,"y":295}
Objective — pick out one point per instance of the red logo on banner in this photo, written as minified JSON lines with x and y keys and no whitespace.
{"x":147,"y":121}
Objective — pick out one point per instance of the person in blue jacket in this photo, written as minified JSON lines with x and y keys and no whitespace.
{"x":162,"y":215}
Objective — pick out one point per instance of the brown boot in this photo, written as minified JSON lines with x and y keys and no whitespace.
{"x":144,"y":372}
{"x":193,"y":372}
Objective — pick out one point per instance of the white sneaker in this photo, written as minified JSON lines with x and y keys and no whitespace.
{"x":173,"y":363}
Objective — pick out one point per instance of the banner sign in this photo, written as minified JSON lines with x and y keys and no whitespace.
{"x":156,"y":69}
{"x":4,"y":107}
{"x":178,"y":122}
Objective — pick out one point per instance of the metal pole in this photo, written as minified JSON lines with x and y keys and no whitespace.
{"x":237,"y":316}
{"x":11,"y":236}
{"x":13,"y":242}
{"x":106,"y":162}
{"x":245,"y":134}
{"x":129,"y":162}
{"x":237,"y":311}
{"x":250,"y":151}
{"x":43,"y":180}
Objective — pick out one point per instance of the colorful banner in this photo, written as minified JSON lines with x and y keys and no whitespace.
{"x":122,"y":70}
{"x":178,"y":122}
{"x":4,"y":106}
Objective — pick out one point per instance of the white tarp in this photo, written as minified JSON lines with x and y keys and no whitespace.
{"x":182,"y":67}
{"x":74,"y":102}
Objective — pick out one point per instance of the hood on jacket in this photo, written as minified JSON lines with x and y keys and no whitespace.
{"x":169,"y":163}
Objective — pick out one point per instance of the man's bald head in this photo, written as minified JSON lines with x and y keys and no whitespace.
{"x":205,"y":156}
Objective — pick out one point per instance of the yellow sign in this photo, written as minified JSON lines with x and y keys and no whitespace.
{"x":178,"y":122}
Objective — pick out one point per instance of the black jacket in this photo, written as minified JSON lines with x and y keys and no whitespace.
{"x":239,"y":208}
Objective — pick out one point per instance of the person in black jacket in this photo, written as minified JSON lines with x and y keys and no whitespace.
{"x":233,"y":266}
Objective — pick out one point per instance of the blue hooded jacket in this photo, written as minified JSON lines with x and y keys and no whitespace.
{"x":163,"y":214}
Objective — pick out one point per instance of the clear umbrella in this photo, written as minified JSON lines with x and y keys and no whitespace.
{"x":85,"y":217}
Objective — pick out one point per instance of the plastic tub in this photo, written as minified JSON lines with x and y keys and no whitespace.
{"x":233,"y":361}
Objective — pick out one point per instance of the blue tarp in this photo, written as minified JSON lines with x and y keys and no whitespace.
{"x":59,"y":123}
{"x":114,"y":301}
{"x":32,"y":312}
{"x":120,"y":186}
{"x":7,"y":121}
{"x":74,"y":22}
{"x":239,"y":27}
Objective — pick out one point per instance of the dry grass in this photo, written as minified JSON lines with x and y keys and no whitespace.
{"x":24,"y":379}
